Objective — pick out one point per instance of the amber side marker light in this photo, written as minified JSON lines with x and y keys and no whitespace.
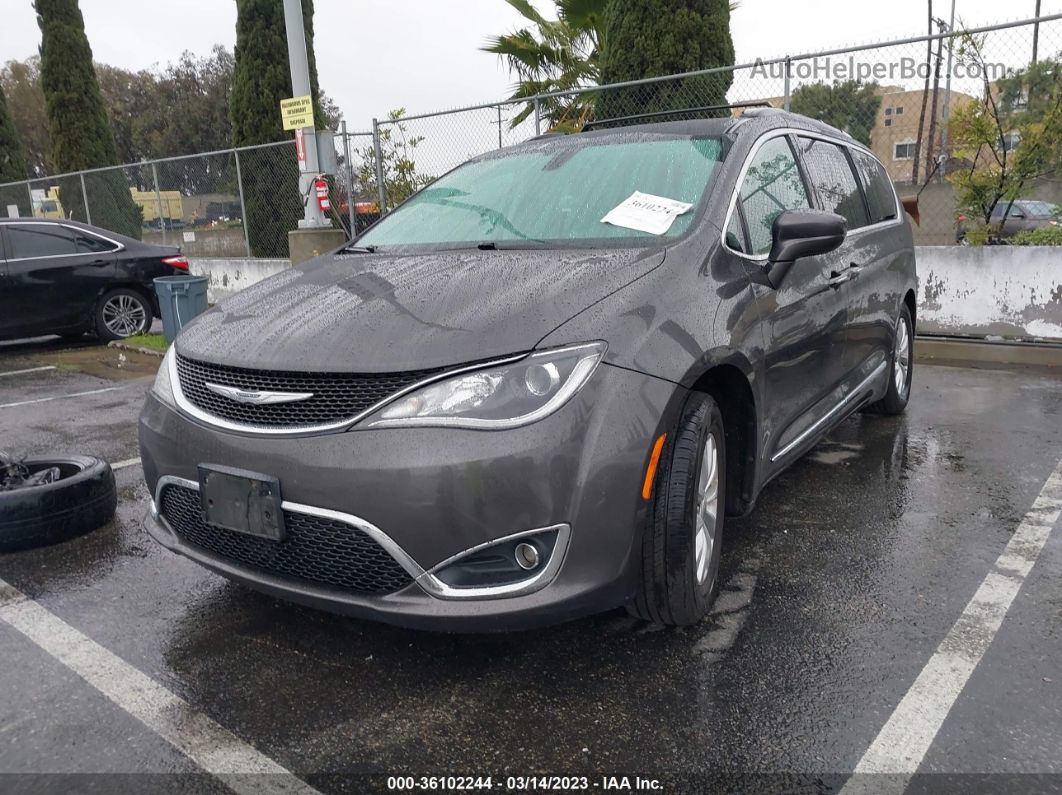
{"x":650,"y":471}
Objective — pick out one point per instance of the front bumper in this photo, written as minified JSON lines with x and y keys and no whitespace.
{"x":434,"y":493}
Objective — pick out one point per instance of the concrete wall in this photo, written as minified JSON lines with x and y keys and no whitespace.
{"x":229,"y":276}
{"x":1013,"y":292}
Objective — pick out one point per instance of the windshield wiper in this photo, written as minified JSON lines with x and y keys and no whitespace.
{"x":358,"y":249}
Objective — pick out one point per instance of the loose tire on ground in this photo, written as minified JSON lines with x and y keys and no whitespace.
{"x":897,"y":395}
{"x":82,"y":500}
{"x":670,"y":591}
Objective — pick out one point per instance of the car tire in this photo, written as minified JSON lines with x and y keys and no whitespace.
{"x":901,"y":368}
{"x":82,"y":500}
{"x":122,"y":313}
{"x":679,"y":579}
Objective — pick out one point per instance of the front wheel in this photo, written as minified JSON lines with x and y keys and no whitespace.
{"x":901,"y":368}
{"x":683,"y":536}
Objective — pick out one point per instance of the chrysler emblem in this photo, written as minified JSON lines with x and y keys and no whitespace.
{"x":255,"y":398}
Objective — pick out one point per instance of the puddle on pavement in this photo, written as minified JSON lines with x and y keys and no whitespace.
{"x":113,"y":364}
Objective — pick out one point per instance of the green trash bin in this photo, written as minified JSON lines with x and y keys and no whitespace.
{"x":181,"y":298}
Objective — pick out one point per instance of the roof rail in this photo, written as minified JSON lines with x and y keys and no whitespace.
{"x":659,"y":113}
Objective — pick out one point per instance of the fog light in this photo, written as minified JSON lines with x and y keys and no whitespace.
{"x":526,"y":556}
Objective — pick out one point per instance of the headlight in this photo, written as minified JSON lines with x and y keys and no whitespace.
{"x":162,"y":388}
{"x":505,"y":396}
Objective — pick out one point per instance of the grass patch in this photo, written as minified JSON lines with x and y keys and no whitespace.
{"x":156,"y":342}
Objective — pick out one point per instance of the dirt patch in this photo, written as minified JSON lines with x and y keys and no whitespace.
{"x":103,"y":362}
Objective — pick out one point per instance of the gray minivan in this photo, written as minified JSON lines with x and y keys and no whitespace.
{"x":534,"y":390}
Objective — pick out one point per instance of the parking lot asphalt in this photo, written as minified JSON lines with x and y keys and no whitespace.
{"x":854,"y":629}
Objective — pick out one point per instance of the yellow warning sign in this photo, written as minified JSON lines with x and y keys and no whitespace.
{"x":297,"y":112}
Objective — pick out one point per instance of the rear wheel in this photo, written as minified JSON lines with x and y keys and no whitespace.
{"x":122,"y":313}
{"x":681,"y":544}
{"x":901,"y":368}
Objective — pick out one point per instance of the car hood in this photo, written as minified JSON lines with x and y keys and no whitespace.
{"x":388,"y":313}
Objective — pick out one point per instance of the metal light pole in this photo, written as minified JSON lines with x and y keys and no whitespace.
{"x":947,"y":90}
{"x":1036,"y":33}
{"x":313,"y":217}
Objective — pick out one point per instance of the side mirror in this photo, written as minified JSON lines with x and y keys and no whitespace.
{"x":802,"y":233}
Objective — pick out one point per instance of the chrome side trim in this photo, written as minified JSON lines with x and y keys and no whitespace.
{"x":439,"y":589}
{"x":309,"y":430}
{"x":825,"y":418}
{"x":427,"y":581}
{"x":784,"y":131}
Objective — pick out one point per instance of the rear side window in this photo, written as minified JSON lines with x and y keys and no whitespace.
{"x":40,"y":240}
{"x":832,"y":176}
{"x":90,"y":244}
{"x":772,"y":185}
{"x":881,"y":198}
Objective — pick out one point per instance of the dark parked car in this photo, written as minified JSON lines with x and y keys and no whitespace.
{"x":534,"y":390}
{"x":62,"y":277}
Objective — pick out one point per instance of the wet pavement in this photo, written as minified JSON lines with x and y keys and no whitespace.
{"x":839,"y":588}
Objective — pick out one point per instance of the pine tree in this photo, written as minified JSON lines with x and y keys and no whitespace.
{"x":79,"y":131}
{"x":649,"y":38}
{"x":12,"y":163}
{"x":262,"y":77}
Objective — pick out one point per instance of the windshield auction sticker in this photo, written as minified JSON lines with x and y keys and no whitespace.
{"x":646,"y":213}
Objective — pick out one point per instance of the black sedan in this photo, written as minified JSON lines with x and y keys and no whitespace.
{"x":62,"y":277}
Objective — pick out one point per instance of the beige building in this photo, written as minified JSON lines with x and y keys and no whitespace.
{"x":894,"y":137}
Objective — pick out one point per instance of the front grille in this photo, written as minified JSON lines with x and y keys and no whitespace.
{"x":317,"y":551}
{"x":336,"y":396}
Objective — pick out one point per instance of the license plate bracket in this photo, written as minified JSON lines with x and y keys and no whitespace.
{"x":241,"y":501}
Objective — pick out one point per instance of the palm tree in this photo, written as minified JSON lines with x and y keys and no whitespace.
{"x":554,"y":55}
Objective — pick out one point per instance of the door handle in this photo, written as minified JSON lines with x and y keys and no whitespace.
{"x":837,"y":278}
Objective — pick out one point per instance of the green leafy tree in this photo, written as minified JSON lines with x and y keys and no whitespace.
{"x":554,"y":55}
{"x":21,"y":84}
{"x":397,"y":152}
{"x":650,"y":38}
{"x":12,"y":163}
{"x":261,"y":78}
{"x":1008,"y":138}
{"x":851,"y":105}
{"x":79,"y":133}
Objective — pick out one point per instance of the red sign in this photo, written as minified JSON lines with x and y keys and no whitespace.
{"x":300,"y":150}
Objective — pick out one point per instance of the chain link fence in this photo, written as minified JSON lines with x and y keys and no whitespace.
{"x":910,"y":101}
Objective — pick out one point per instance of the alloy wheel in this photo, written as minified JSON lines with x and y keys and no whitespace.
{"x":707,"y":507}
{"x":124,"y":316}
{"x":901,"y":359}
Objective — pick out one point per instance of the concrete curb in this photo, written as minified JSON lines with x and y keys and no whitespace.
{"x":126,"y":347}
{"x":967,"y":352}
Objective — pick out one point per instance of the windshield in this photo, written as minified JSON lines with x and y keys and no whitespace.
{"x":1039,"y":208}
{"x":556,"y":193}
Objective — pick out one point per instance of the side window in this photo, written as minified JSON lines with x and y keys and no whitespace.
{"x":735,"y":235}
{"x":39,"y":240}
{"x":772,"y":185}
{"x":876,"y":183}
{"x":832,"y":177}
{"x":90,"y":244}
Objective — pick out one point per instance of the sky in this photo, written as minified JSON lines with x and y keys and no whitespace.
{"x":375,"y":55}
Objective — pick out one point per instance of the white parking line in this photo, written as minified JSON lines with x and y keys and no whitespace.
{"x":208,"y":744}
{"x":904,"y":740}
{"x":60,"y":397}
{"x":29,"y":370}
{"x":129,"y":462}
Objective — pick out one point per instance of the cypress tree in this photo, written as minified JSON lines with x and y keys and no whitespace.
{"x":261,"y":78}
{"x":78,"y":129}
{"x":12,"y":163}
{"x":649,"y":38}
